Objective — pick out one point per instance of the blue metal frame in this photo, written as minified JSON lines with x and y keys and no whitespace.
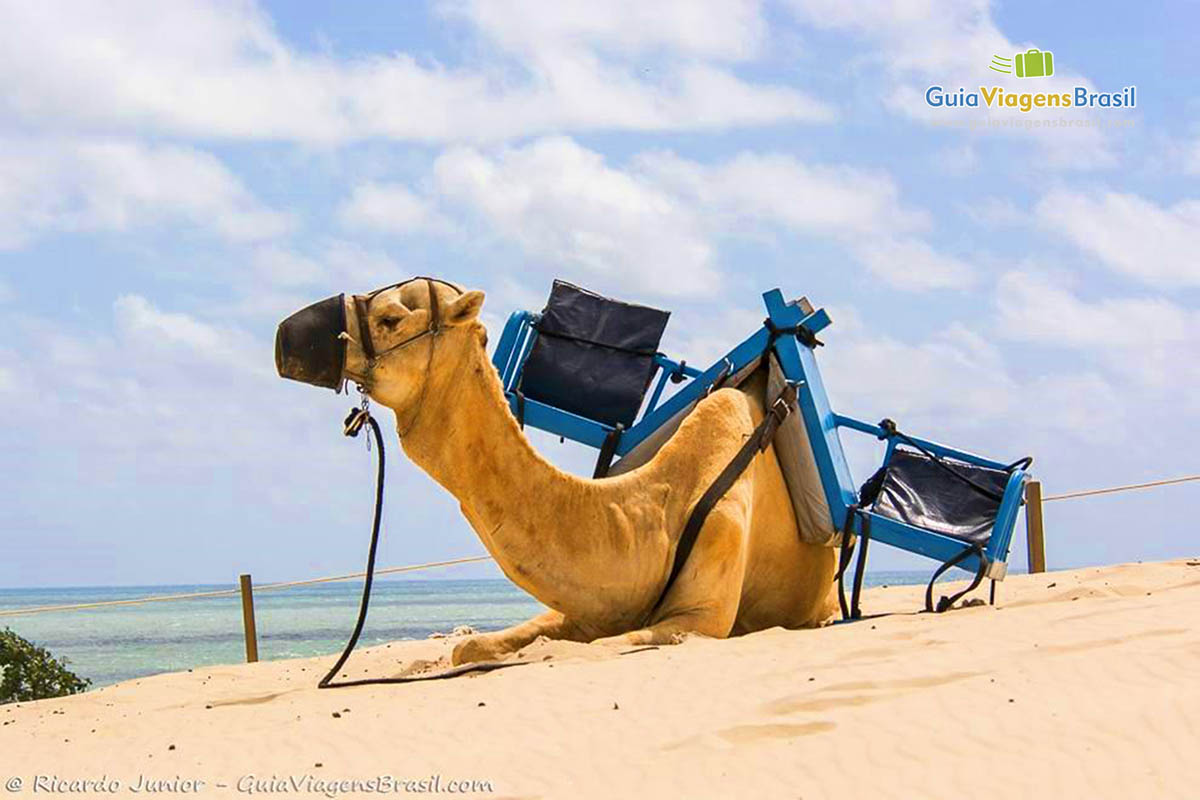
{"x":799,"y":364}
{"x":930,"y":543}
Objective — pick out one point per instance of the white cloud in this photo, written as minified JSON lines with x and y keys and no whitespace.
{"x":282,"y":279}
{"x":913,"y":265}
{"x":348,"y":263}
{"x":860,"y":208}
{"x":957,"y":161}
{"x":955,"y":378}
{"x":386,"y":207}
{"x":222,"y":70}
{"x":949,"y":40}
{"x":724,"y":29}
{"x":1150,"y":340}
{"x":75,"y":185}
{"x":960,"y":387}
{"x":281,"y":267}
{"x":997,"y":212}
{"x":152,"y":384}
{"x":779,"y":189}
{"x":1130,"y":234}
{"x":1084,"y":404}
{"x":655,"y":223}
{"x":330,"y":262}
{"x":138,"y":318}
{"x":143,"y":325}
{"x":918,"y":43}
{"x":1175,"y":154}
{"x":563,"y":205}
{"x":167,"y":400}
{"x":708,"y":339}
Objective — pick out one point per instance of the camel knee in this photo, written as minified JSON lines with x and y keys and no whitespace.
{"x":715,"y":621}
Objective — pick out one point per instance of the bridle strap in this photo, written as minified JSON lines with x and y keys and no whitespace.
{"x":362,"y":305}
{"x":435,"y":319}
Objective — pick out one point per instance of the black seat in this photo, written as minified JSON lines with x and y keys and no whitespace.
{"x":593,"y":356}
{"x":943,"y":495}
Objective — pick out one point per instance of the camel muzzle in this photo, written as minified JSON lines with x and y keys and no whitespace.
{"x":310,"y":345}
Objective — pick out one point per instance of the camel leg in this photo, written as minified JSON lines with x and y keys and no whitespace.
{"x":491,"y":646}
{"x":707,"y":593}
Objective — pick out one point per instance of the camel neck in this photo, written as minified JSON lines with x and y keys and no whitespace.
{"x":469,"y":442}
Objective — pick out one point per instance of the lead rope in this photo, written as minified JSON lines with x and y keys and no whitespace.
{"x":355,"y":420}
{"x":354,"y":423}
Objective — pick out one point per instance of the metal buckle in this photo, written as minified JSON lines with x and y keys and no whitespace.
{"x":358,"y":417}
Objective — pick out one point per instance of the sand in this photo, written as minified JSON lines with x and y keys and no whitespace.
{"x":1078,"y":684}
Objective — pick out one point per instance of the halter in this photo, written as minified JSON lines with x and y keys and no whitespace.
{"x":362,"y":307}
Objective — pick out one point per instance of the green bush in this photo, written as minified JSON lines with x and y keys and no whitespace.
{"x":29,"y":672}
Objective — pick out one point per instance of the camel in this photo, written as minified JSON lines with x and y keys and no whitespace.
{"x":596,"y":552}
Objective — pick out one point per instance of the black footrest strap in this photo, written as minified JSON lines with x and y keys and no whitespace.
{"x":947,"y":602}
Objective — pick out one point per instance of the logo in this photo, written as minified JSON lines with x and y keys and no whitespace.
{"x":1033,"y":63}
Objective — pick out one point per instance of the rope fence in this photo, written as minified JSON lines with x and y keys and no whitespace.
{"x":1035,"y":541}
{"x":1126,"y":488}
{"x":262,"y":587}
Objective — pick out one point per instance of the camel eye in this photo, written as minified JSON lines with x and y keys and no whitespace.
{"x":391,"y":323}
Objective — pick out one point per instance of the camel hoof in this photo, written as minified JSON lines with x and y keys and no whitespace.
{"x":473,"y":649}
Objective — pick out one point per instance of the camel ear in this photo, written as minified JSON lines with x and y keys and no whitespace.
{"x":464,"y":308}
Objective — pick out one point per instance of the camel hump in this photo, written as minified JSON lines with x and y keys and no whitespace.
{"x":731,"y":407}
{"x":714,"y":431}
{"x":714,"y":428}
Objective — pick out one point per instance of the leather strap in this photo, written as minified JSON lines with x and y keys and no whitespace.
{"x":362,"y":306}
{"x":435,"y":317}
{"x":845,"y":554}
{"x":759,"y":440}
{"x":607,"y":451}
{"x":947,"y":602}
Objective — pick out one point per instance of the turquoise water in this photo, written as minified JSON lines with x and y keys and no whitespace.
{"x":117,"y":643}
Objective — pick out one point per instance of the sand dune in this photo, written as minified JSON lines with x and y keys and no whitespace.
{"x":1079,"y":684}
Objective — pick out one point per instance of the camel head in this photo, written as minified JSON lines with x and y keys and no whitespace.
{"x":392,"y":342}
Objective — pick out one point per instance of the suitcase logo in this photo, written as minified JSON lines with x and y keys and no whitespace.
{"x":1033,"y":63}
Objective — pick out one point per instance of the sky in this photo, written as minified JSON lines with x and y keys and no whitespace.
{"x":175,"y":178}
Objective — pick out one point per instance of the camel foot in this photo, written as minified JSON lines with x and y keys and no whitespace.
{"x":643,"y":637}
{"x":481,"y":647}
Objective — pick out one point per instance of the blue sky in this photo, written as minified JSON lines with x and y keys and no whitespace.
{"x":176,"y":178}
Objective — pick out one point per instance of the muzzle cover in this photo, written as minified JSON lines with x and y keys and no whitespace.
{"x":309,"y":346}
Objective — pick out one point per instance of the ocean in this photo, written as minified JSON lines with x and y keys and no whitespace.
{"x":117,"y":643}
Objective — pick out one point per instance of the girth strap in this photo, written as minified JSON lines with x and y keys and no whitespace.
{"x":759,"y":441}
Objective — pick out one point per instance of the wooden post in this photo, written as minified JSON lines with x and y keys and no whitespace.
{"x":1035,"y":535}
{"x":248,"y":619}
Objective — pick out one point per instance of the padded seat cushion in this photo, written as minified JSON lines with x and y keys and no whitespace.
{"x":593,"y":356}
{"x":917,"y":491}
